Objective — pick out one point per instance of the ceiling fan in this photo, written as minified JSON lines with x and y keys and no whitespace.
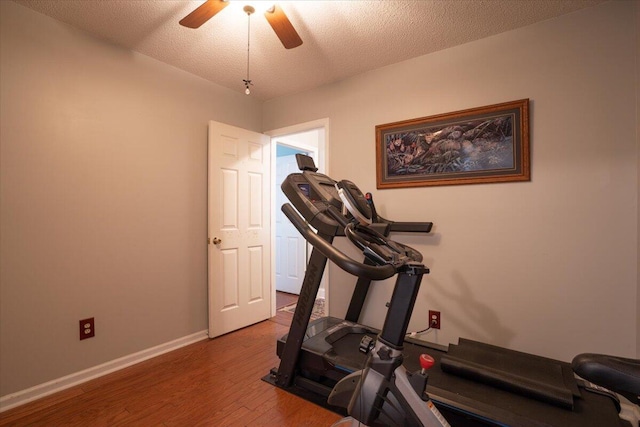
{"x":275,"y":16}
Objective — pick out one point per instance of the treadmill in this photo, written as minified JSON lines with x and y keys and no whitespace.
{"x":317,"y":364}
{"x":472,"y":384}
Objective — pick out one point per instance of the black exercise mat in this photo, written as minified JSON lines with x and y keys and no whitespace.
{"x":533,"y":376}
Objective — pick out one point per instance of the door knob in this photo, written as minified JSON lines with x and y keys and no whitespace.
{"x":216,"y":241}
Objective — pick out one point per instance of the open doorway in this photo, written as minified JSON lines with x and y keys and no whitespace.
{"x":290,"y":251}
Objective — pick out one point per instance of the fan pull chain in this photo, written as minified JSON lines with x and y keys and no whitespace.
{"x":249,"y":10}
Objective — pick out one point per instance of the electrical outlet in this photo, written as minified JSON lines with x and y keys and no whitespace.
{"x":434,"y":319}
{"x":87,"y":328}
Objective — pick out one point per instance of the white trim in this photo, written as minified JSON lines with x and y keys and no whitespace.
{"x":36,"y":392}
{"x":320,"y":124}
{"x":322,"y":162}
{"x":298,"y":128}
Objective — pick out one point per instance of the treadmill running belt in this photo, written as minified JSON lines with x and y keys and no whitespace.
{"x":533,"y":376}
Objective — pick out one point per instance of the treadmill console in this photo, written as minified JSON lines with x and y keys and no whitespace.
{"x":355,"y":202}
{"x":312,"y":193}
{"x":323,"y":188}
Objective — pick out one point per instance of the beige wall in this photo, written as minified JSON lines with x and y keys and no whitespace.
{"x":103,"y":189}
{"x":547,"y":266}
{"x":638,"y":171}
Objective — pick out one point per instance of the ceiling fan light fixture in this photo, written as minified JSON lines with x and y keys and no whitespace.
{"x":276,"y":17}
{"x":274,"y":14}
{"x":258,"y":6}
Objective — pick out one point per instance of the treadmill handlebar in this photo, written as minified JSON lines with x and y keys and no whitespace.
{"x":407,"y":226}
{"x":340,"y":259}
{"x":398,"y":226}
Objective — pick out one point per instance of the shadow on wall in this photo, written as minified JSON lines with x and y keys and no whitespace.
{"x":475,"y":320}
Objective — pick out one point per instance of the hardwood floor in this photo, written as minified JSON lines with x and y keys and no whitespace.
{"x":210,"y":383}
{"x":284,"y":299}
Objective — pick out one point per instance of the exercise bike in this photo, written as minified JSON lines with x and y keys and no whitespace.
{"x":611,"y":373}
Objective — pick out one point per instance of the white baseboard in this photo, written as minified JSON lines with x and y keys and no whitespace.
{"x":28,"y":395}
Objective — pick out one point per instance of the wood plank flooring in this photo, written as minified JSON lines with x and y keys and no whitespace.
{"x":210,"y":383}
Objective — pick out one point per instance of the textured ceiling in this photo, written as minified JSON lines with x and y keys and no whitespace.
{"x":341,"y":38}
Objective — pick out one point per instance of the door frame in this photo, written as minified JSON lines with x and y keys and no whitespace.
{"x":322,"y":125}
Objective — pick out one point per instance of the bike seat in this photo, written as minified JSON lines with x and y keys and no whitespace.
{"x":617,"y":374}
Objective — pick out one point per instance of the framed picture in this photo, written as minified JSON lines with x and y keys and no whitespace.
{"x":479,"y":145}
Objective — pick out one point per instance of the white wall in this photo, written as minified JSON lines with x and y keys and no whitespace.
{"x":103,"y":198}
{"x":547,"y":266}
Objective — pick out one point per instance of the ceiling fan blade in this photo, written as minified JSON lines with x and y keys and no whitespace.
{"x":283,"y":27}
{"x":203,"y":13}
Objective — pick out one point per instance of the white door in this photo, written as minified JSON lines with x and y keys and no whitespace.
{"x":291,"y":251}
{"x":239,"y":228}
